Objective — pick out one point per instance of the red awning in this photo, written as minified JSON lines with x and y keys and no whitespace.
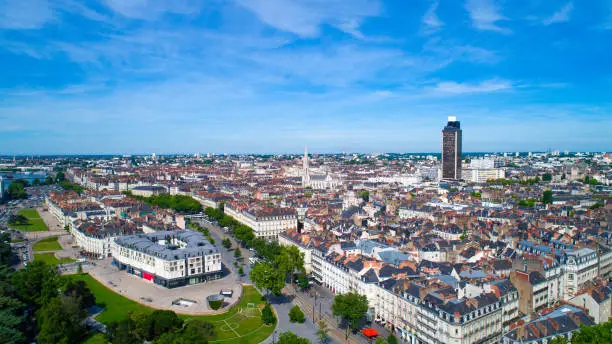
{"x":369,"y":332}
{"x":147,"y":276}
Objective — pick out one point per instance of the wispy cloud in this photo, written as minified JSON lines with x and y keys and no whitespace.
{"x":487,"y":86}
{"x":430,"y":22}
{"x":152,"y":9}
{"x":485,"y":14}
{"x":562,"y":15}
{"x":305,"y":18}
{"x":25,"y":14}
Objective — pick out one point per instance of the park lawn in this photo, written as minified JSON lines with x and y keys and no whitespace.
{"x":51,"y":259}
{"x":97,"y":338}
{"x":47,"y":244}
{"x":33,"y":226}
{"x":30,"y":213}
{"x":36,"y":222}
{"x":116,"y":308}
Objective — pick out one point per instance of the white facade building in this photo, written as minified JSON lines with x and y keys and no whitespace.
{"x":170,"y":258}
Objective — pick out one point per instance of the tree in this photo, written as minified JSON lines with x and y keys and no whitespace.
{"x":11,"y":319}
{"x":60,"y":320}
{"x":36,"y":182}
{"x":392,"y":339}
{"x":139,"y":324}
{"x":291,"y":338}
{"x":296,"y":315}
{"x":559,"y":340}
{"x":6,"y":254}
{"x":227,"y":243}
{"x":547,"y":197}
{"x":241,"y":271}
{"x":60,"y":177}
{"x":601,"y":333}
{"x":18,"y":220}
{"x":266,"y":276}
{"x":237,"y":253}
{"x":36,"y":284}
{"x":290,"y":260}
{"x":303,"y":282}
{"x":350,"y":307}
{"x":267,"y":315}
{"x":322,"y":332}
{"x":80,"y":291}
{"x":49,"y":180}
{"x":122,"y":332}
{"x":16,"y":191}
{"x":198,"y":331}
{"x":365,"y":195}
{"x":547,"y":177}
{"x":161,"y":321}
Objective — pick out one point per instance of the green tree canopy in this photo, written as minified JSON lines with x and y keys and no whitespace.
{"x":547,"y":197}
{"x":291,"y":338}
{"x":37,"y":283}
{"x":601,"y":333}
{"x":290,"y":260}
{"x":296,"y":315}
{"x":267,"y":315}
{"x":61,"y":321}
{"x":267,"y":276}
{"x":351,"y":307}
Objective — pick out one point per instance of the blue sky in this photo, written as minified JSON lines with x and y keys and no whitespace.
{"x":142,"y":76}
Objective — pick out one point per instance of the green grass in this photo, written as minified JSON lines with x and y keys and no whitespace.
{"x":97,"y":338}
{"x":47,"y":244}
{"x":36,"y":222}
{"x":117,"y":307}
{"x":17,"y":240}
{"x":51,"y":259}
{"x":30,"y":213}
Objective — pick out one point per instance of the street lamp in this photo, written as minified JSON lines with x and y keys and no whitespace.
{"x":274,"y":337}
{"x":313,"y":306}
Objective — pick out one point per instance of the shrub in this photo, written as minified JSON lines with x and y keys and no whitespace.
{"x":267,"y":315}
{"x":296,"y":315}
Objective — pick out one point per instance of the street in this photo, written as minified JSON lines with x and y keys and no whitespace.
{"x":282,"y":304}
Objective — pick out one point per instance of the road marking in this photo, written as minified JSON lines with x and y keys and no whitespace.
{"x":231,"y":328}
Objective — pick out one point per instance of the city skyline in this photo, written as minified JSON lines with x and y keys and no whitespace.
{"x":250,"y":76}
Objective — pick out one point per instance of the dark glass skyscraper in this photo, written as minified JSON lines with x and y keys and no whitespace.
{"x":451,"y":149}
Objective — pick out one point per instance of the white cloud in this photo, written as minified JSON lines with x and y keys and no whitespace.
{"x":431,"y":23}
{"x":485,"y":14}
{"x":562,"y":15}
{"x":305,"y":17}
{"x":487,"y":86}
{"x":22,"y":14}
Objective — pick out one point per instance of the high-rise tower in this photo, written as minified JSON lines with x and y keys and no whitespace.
{"x":305,"y":172}
{"x":451,"y":149}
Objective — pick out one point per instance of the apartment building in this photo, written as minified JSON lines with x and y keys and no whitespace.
{"x":170,"y":258}
{"x":266,"y":222}
{"x":96,"y":237}
{"x":580,"y":267}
